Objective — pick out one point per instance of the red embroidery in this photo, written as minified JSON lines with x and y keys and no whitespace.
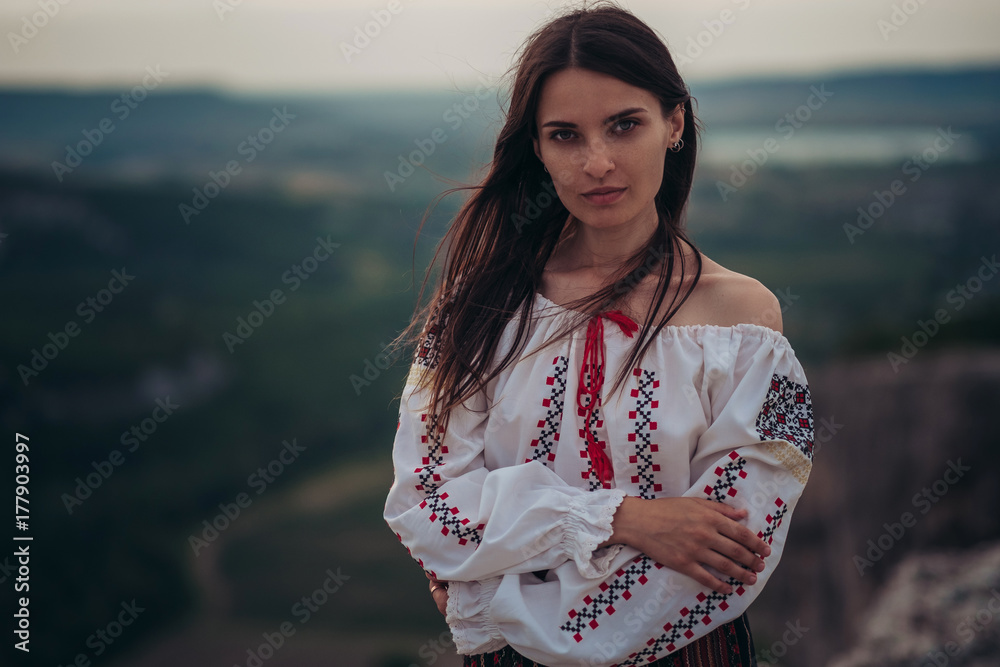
{"x":612,"y":590}
{"x":707,"y":603}
{"x":593,"y":357}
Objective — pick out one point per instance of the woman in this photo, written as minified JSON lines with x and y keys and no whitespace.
{"x":560,"y":519}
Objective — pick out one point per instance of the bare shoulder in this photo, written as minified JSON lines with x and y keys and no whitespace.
{"x":727,"y":298}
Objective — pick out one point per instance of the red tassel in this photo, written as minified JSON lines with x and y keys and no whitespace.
{"x":593,"y":356}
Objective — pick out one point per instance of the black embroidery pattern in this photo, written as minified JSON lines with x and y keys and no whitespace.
{"x":723,"y":488}
{"x":787,"y":414}
{"x":642,"y":428}
{"x":548,"y":434}
{"x":613,"y":590}
{"x":706,"y":604}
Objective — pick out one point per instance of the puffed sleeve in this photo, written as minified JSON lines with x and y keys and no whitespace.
{"x":755,"y":454}
{"x":463,"y":522}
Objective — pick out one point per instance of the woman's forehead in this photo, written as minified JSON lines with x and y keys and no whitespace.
{"x":589,"y":96}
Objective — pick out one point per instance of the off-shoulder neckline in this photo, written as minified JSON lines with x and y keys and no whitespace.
{"x":694,"y":329}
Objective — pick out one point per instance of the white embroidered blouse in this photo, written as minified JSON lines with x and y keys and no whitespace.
{"x":507,"y":505}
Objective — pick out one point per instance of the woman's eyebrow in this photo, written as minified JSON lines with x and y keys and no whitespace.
{"x":609,"y":119}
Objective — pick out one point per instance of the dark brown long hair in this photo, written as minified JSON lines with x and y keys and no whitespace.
{"x":502,"y":237}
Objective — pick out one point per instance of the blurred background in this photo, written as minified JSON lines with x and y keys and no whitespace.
{"x":208,"y":212}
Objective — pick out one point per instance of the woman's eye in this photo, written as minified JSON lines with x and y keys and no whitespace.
{"x":628,"y":120}
{"x":566,"y":135}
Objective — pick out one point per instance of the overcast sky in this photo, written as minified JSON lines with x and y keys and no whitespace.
{"x":298,"y":45}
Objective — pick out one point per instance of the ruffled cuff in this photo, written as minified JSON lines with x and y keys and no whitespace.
{"x":587,"y":524}
{"x":467,"y":614}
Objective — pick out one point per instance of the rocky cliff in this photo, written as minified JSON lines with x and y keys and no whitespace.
{"x":906,"y":462}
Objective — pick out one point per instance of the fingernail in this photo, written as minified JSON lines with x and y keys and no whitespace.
{"x":753,"y":578}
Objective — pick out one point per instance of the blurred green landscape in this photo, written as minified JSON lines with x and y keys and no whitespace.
{"x":323,"y":178}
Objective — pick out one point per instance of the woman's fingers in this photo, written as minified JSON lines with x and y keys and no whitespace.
{"x":690,"y":534}
{"x":740,"y":533}
{"x":737,"y":545}
{"x":747,"y":543}
{"x":439,"y":593}
{"x":705,"y":578}
{"x":440,"y":596}
{"x":727,"y":565}
{"x":722,"y":508}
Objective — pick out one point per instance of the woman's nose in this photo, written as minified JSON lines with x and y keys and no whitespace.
{"x":597,"y":160}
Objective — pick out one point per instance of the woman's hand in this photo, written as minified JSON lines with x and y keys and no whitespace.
{"x":684,"y":533}
{"x":439,"y":592}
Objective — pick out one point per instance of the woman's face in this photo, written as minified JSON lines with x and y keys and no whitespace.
{"x":596,"y":131}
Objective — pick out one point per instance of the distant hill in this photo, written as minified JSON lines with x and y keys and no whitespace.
{"x":969,"y":97}
{"x":186,"y":134}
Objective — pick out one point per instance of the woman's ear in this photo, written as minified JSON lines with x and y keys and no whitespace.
{"x":677,"y":123}
{"x":534,"y":142}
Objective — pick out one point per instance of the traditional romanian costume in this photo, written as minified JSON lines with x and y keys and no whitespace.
{"x":509,"y":504}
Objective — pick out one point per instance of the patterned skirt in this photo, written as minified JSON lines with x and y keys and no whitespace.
{"x":729,"y":645}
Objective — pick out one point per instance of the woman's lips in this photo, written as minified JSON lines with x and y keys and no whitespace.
{"x":605,"y":197}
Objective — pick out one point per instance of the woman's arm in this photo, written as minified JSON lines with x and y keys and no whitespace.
{"x":463,"y":522}
{"x":683,"y":533}
{"x":755,"y":456}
